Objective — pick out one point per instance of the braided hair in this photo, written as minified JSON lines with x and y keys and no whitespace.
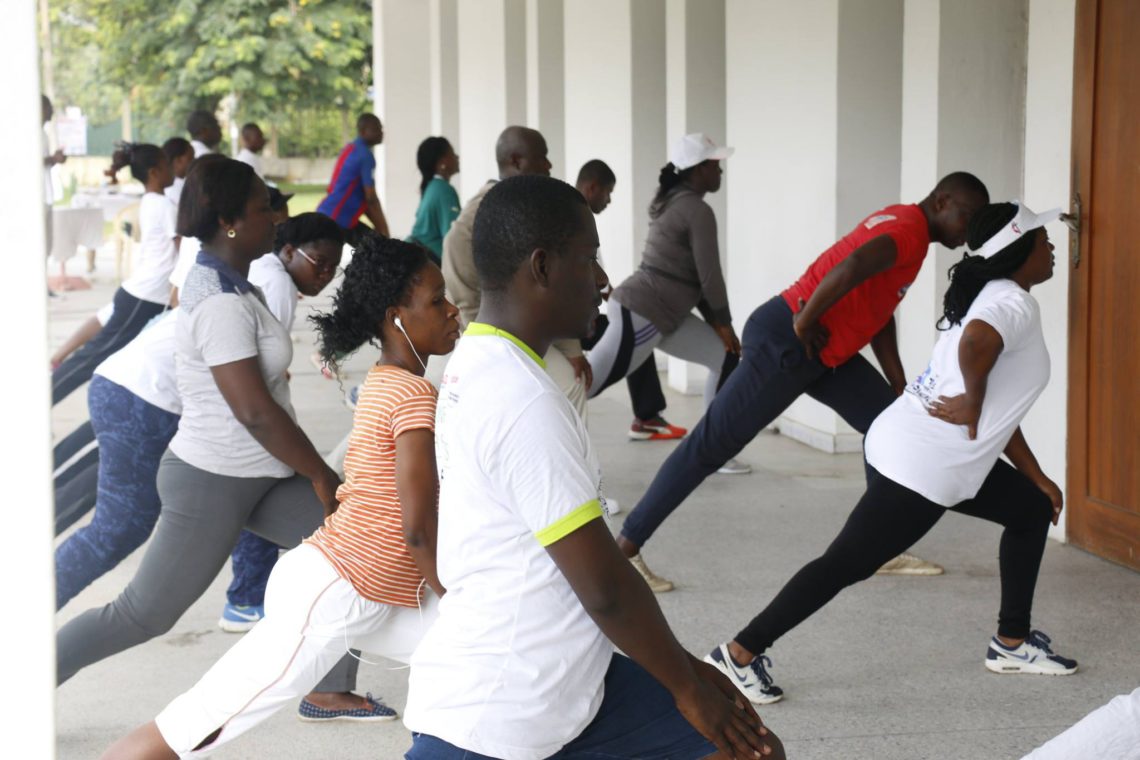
{"x":381,"y":275}
{"x":669,"y":178}
{"x":971,"y":273}
{"x":428,"y":156}
{"x":141,"y":157}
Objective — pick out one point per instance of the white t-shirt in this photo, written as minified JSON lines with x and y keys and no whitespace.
{"x":174,"y":192}
{"x":268,"y":273}
{"x":187,"y":254}
{"x":149,"y":280}
{"x":936,"y":459}
{"x":223,"y":319}
{"x":247,"y":156}
{"x":200,"y":148}
{"x":145,"y":366}
{"x":513,"y":667}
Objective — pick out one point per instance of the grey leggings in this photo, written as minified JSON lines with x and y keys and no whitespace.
{"x":202,"y":516}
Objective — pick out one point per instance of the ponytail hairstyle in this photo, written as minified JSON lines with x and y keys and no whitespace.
{"x":971,"y":273}
{"x":141,"y":157}
{"x":381,"y":275}
{"x":428,"y":155}
{"x":306,"y":228}
{"x":669,"y":178}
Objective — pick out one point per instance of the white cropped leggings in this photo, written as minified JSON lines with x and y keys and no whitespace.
{"x":631,"y":338}
{"x":312,"y":617}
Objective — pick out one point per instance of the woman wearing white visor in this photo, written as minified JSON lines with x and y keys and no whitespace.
{"x":937,"y":447}
{"x":680,"y":270}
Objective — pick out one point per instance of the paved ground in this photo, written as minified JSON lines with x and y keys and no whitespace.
{"x":892,"y":670}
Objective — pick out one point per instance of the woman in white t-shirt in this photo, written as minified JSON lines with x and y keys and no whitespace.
{"x":146,"y":293}
{"x":937,"y":448}
{"x":239,"y":459}
{"x":134,"y":406}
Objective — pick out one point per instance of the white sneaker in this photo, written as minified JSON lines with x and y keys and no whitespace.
{"x":735,"y":467}
{"x":656,"y":583}
{"x":908,"y":564}
{"x":1031,"y":656}
{"x":752,"y":679}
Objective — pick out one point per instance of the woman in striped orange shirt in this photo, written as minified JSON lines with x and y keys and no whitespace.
{"x":358,"y":581}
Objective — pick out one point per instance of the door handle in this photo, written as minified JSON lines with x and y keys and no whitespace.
{"x":1073,"y":222}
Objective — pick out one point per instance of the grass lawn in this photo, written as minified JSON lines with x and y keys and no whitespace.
{"x":305,"y":199}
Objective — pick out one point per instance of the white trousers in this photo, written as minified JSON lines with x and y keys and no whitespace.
{"x":312,"y":617}
{"x":1111,"y":732}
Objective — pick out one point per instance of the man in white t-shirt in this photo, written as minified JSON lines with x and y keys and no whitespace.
{"x":521,"y":663}
{"x":252,"y":143}
{"x":205,"y":132}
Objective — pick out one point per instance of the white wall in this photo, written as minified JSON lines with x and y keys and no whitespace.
{"x":26,"y":562}
{"x":1048,"y":151}
{"x":482,"y":90}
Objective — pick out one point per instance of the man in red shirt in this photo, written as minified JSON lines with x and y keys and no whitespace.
{"x":807,"y":340}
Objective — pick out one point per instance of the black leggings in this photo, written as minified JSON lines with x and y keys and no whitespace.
{"x":889,"y":519}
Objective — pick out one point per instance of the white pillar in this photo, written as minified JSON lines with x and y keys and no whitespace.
{"x":444,"y":62}
{"x":545,"y":83}
{"x":615,"y":111}
{"x":402,"y":81}
{"x":26,"y":466}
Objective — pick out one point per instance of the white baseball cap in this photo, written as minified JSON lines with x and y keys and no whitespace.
{"x":692,"y":149}
{"x":1023,"y":222}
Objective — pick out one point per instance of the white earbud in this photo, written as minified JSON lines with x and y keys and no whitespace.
{"x":400,"y":327}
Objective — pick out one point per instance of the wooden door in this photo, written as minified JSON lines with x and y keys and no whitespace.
{"x":1104,"y":298}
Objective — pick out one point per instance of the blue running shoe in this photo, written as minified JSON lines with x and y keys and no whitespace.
{"x":1031,"y":656}
{"x":239,"y":618}
{"x":376,"y":711}
{"x":752,"y":679}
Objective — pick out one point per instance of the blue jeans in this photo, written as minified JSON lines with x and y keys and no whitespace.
{"x":774,"y":371}
{"x":637,"y":719}
{"x":132,"y":437}
{"x":252,"y":561}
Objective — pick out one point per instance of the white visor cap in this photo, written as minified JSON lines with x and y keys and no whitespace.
{"x":1023,"y":222}
{"x":692,"y":149}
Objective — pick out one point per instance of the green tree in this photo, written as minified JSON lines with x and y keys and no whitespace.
{"x":274,"y":57}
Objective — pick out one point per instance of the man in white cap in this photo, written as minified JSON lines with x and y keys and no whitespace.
{"x":807,"y":340}
{"x":680,"y":270}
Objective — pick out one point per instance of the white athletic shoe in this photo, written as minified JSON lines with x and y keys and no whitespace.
{"x":735,"y":467}
{"x":1031,"y":656}
{"x":752,"y":679}
{"x":656,"y":583}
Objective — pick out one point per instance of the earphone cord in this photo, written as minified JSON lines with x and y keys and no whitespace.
{"x":400,"y":327}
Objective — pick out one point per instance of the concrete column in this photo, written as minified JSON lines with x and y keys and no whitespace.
{"x":443,"y":38}
{"x":492,"y":83}
{"x":402,"y":82}
{"x":545,"y":84}
{"x":615,"y":111}
{"x":27,"y":466}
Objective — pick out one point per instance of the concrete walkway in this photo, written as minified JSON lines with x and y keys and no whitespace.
{"x":891,"y":670}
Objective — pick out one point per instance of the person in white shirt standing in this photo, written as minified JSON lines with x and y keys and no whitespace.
{"x":521,"y":664}
{"x":146,"y":293}
{"x":937,"y":448}
{"x":205,"y":132}
{"x":252,"y":143}
{"x":180,"y":153}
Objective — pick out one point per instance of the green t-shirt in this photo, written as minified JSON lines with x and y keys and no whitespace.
{"x":438,"y":209}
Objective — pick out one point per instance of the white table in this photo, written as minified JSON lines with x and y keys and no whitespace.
{"x":109,"y":201}
{"x":73,"y":227}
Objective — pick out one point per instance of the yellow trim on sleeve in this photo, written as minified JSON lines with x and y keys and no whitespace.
{"x":564,"y":526}
{"x":480,"y":328}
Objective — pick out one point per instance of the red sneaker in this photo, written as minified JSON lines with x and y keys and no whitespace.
{"x":656,"y":429}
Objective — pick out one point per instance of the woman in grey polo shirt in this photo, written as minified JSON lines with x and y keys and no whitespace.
{"x":238,"y":460}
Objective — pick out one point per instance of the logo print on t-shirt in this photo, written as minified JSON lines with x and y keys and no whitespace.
{"x":1015,"y":227}
{"x":877,"y":220}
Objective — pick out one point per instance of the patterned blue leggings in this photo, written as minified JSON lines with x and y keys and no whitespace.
{"x":133,"y":435}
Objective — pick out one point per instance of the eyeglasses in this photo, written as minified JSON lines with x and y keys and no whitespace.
{"x":334,"y":271}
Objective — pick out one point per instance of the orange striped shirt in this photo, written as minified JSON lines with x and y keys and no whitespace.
{"x":364,"y":538}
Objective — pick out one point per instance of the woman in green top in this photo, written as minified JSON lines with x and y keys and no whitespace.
{"x":439,"y":204}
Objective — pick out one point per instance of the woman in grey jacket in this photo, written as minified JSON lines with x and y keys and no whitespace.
{"x":680,"y":270}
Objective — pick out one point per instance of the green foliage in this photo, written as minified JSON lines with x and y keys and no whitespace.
{"x":278,"y":58}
